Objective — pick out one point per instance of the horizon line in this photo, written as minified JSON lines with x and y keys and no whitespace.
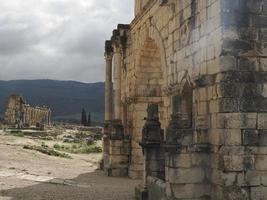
{"x":44,"y":79}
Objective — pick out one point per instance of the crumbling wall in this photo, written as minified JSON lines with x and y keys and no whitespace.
{"x":20,"y":114}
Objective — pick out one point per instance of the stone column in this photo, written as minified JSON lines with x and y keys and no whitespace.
{"x":117,"y":82}
{"x":108,"y":87}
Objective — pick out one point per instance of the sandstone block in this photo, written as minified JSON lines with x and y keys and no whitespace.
{"x":259,"y":193}
{"x":232,"y":137}
{"x":184,"y":175}
{"x":118,"y":172}
{"x":251,"y":178}
{"x":250,"y":137}
{"x":190,"y":191}
{"x":261,"y":162}
{"x":262,"y":138}
{"x":118,"y":161}
{"x":236,"y":120}
{"x":114,"y":150}
{"x":262,"y":120}
{"x":180,"y":160}
{"x":116,"y":143}
{"x":233,"y":163}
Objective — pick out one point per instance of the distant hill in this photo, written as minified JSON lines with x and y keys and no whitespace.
{"x":65,"y":98}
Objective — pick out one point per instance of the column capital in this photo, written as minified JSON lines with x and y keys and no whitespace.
{"x":108,"y":56}
{"x":108,"y":48}
{"x":116,"y":47}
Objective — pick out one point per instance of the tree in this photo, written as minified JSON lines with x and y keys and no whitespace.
{"x":89,"y":123}
{"x":84,"y":118}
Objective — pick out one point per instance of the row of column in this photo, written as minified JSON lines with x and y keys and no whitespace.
{"x":109,"y":56}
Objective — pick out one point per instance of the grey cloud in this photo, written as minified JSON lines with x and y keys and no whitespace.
{"x":58,"y":39}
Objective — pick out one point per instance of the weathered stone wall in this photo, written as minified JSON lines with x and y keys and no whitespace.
{"x":203,"y":62}
{"x":241,"y":99}
{"x":18,"y":113}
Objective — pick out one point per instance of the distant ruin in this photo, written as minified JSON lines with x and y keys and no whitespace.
{"x":20,"y":114}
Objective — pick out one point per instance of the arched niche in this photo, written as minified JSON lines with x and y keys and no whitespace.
{"x":182,"y":105}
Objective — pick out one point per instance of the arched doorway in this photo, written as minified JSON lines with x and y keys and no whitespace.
{"x":147,"y":90}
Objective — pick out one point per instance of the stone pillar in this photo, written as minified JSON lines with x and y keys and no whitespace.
{"x":154,"y":161}
{"x":116,"y":150}
{"x":108,"y":87}
{"x":117,"y":82}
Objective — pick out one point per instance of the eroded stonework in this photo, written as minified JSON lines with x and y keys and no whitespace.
{"x":20,"y":114}
{"x":203,"y":65}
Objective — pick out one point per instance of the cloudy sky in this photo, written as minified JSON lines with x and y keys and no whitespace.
{"x":57,"y":39}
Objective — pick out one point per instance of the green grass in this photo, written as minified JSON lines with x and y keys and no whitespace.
{"x":78,"y":148}
{"x":17,"y":133}
{"x":46,"y":150}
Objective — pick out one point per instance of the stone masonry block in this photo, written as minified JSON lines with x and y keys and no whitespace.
{"x":259,"y":193}
{"x":184,"y":175}
{"x":233,"y":163}
{"x":250,"y":137}
{"x":236,"y":120}
{"x":200,"y":159}
{"x":227,"y":105}
{"x":216,"y":137}
{"x":261,"y":162}
{"x":232,"y":137}
{"x":118,"y":172}
{"x":262,"y":120}
{"x":255,"y":6}
{"x":263,"y":138}
{"x":180,"y":160}
{"x":117,"y":161}
{"x":114,"y":150}
{"x":228,"y":178}
{"x":251,"y":178}
{"x":116,"y":143}
{"x":259,"y":21}
{"x":190,"y":191}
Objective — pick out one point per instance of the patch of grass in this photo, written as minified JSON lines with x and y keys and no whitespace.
{"x":17,"y":133}
{"x":78,"y":148}
{"x":46,"y":150}
{"x":56,"y":146}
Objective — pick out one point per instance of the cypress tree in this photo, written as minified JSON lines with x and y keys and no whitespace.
{"x":89,"y":123}
{"x":84,"y":118}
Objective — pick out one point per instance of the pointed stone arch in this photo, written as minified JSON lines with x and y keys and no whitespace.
{"x":151,"y":33}
{"x":149,"y":74}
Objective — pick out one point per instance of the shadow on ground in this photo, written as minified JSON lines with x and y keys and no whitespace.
{"x":90,"y":186}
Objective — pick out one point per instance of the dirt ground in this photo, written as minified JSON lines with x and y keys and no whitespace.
{"x":30,"y":175}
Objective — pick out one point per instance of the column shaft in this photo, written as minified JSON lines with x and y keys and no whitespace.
{"x":117,"y":83}
{"x":108,"y":88}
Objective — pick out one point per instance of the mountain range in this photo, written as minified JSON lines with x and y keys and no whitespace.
{"x":65,"y":98}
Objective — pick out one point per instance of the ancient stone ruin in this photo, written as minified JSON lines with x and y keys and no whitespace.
{"x":190,"y":99}
{"x":20,"y":114}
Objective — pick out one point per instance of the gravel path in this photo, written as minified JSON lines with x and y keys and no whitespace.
{"x":29,"y":175}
